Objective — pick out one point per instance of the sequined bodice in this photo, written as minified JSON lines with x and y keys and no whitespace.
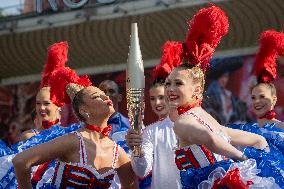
{"x":82,"y":175}
{"x":198,"y":156}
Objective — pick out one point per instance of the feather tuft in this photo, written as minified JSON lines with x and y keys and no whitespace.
{"x":271,"y":46}
{"x":58,"y":82}
{"x":56,"y":57}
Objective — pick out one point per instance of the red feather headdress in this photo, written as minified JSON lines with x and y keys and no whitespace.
{"x":207,"y":28}
{"x":271,"y":46}
{"x":60,"y":79}
{"x":171,"y":58}
{"x":56,"y":57}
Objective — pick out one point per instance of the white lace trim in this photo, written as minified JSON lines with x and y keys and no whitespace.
{"x":248,"y":172}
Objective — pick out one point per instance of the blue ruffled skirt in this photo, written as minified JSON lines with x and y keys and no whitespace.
{"x":4,"y":149}
{"x":273,"y":135}
{"x":262,"y":169}
{"x":7,"y":174}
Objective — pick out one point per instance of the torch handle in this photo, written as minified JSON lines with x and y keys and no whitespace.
{"x":137,"y":151}
{"x":135,"y":106}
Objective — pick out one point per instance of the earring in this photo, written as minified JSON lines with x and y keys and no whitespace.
{"x":88,"y":115}
{"x":200,"y":96}
{"x":196,"y":97}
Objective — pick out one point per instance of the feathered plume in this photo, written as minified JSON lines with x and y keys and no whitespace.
{"x":207,"y":28}
{"x":271,"y":46}
{"x":172,"y":57}
{"x":58,"y":81}
{"x":56,"y":57}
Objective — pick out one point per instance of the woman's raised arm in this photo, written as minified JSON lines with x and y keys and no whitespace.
{"x":125,"y":172}
{"x":57,"y":148}
{"x":190,"y":130}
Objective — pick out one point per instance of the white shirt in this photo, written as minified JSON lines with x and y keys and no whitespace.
{"x":159,"y":142}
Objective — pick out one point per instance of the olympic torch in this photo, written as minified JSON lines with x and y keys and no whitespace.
{"x":135,"y":84}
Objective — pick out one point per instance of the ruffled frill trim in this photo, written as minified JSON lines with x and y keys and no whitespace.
{"x":242,"y":175}
{"x":264,"y":165}
{"x":6,"y":163}
{"x":269,"y":164}
{"x":45,"y":136}
{"x":8,"y":177}
{"x":7,"y":174}
{"x":4,"y":149}
{"x":273,"y":135}
{"x":191,"y":178}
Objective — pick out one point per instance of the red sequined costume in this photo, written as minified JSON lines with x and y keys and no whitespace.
{"x":81,"y":174}
{"x":199,"y":167}
{"x":198,"y":156}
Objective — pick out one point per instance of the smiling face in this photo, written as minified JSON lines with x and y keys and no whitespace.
{"x":180,"y":88}
{"x":263,"y":99}
{"x":45,"y":109}
{"x":158,"y":101}
{"x":95,"y":103}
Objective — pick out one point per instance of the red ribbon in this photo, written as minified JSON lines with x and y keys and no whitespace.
{"x":105,"y":131}
{"x":37,"y":175}
{"x":268,"y":115}
{"x":182,"y":110}
{"x":232,"y":180}
{"x":47,"y":124}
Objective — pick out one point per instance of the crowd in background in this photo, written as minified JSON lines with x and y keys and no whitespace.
{"x":225,"y":105}
{"x":218,"y":101}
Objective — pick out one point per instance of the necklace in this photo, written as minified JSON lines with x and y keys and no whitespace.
{"x":182,"y":110}
{"x":48,"y":124}
{"x":105,"y":131}
{"x":268,"y":115}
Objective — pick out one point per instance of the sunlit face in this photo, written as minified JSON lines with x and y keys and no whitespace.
{"x":179,"y":88}
{"x":158,"y":101}
{"x":96,"y":103}
{"x":110,"y":88}
{"x":45,"y":109}
{"x":262,"y":100}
